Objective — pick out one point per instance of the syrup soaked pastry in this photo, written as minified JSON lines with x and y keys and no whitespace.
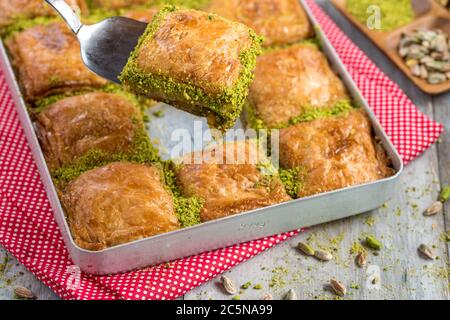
{"x":48,"y":60}
{"x":281,"y":22}
{"x":14,"y":10}
{"x":291,"y":81}
{"x":143,"y":15}
{"x":333,"y":153}
{"x":117,"y":4}
{"x":198,"y":62}
{"x":229,"y":180}
{"x":71,"y":127}
{"x":118,"y":203}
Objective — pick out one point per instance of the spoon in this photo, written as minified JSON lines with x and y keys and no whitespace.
{"x":105,"y":46}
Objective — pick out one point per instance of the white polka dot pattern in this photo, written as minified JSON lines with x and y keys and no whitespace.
{"x":28,"y":229}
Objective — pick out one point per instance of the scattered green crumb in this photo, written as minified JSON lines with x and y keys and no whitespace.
{"x":445,"y":194}
{"x":246,"y":285}
{"x":236,"y":298}
{"x":370,"y":221}
{"x":355,"y":286}
{"x":394,"y":14}
{"x":278,"y":277}
{"x":258,"y":286}
{"x":385,"y":206}
{"x":373,"y":243}
{"x":398,"y":212}
{"x":158,"y":114}
{"x":335,"y":243}
{"x":357,"y":248}
{"x":3,"y":265}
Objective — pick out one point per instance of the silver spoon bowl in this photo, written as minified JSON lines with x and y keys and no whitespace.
{"x":105,"y":46}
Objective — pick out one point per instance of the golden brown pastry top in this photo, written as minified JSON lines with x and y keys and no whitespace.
{"x":48,"y":60}
{"x":279,"y":21}
{"x":229,"y":187}
{"x":195,"y":47}
{"x":333,"y":153}
{"x":289,"y":80}
{"x":117,"y":4}
{"x":143,"y":15}
{"x":28,"y":9}
{"x":118,"y":203}
{"x":73,"y":126}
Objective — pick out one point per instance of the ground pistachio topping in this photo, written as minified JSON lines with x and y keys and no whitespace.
{"x":187,"y":209}
{"x":310,"y":113}
{"x":394,"y":14}
{"x":291,"y":180}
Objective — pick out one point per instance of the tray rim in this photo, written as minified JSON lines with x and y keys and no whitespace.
{"x":58,"y":212}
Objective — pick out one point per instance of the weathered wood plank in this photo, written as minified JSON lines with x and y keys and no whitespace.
{"x":14,"y":274}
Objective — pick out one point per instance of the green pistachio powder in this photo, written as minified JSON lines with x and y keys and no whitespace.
{"x":142,"y":151}
{"x":394,"y":13}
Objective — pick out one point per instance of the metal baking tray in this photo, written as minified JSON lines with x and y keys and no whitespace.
{"x":226,"y":231}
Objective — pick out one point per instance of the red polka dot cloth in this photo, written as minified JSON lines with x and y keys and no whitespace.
{"x":29,"y":231}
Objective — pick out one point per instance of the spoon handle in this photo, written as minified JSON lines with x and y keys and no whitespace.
{"x":66,"y":12}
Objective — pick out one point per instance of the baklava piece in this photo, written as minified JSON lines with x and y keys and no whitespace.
{"x":117,"y":4}
{"x":196,"y":61}
{"x":290,"y":82}
{"x":47,"y":59}
{"x":281,"y":22}
{"x":229,"y":179}
{"x":14,"y":10}
{"x":333,"y":153}
{"x":72,"y":127}
{"x":143,"y":15}
{"x":118,"y":203}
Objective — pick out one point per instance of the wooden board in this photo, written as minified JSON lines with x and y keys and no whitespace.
{"x":428,"y":14}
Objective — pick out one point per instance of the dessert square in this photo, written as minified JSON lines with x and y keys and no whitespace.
{"x":333,"y":153}
{"x":292,"y":81}
{"x":229,"y":179}
{"x":281,"y":22}
{"x":48,"y":60}
{"x":93,"y":122}
{"x":198,"y":62}
{"x":12,"y":11}
{"x":118,"y":203}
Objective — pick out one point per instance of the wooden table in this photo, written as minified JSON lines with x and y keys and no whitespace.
{"x":399,"y":224}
